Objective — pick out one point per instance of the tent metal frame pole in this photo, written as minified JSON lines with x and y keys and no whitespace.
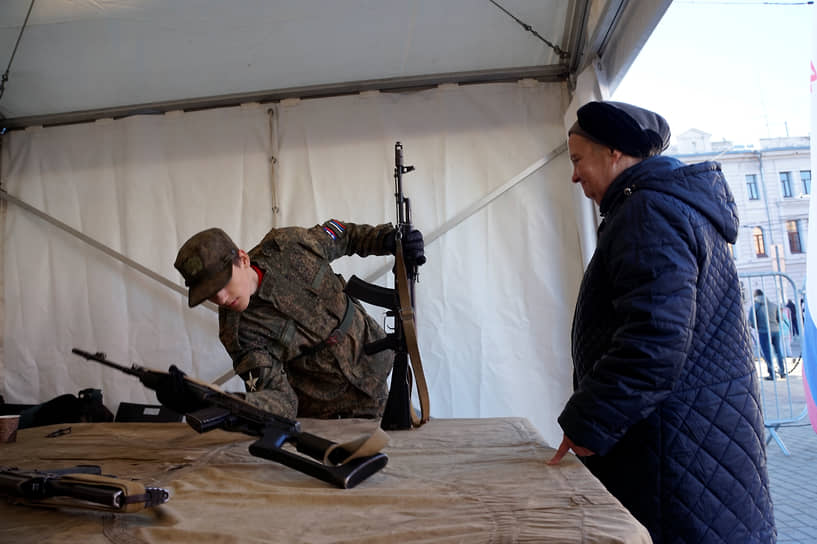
{"x":550,"y":73}
{"x":443,"y":229}
{"x":98,"y":245}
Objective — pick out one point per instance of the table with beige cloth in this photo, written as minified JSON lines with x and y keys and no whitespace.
{"x":452,"y":480}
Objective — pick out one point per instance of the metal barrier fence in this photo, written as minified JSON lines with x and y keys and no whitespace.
{"x":776,"y":332}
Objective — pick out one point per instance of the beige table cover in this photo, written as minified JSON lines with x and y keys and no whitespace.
{"x":452,"y":480}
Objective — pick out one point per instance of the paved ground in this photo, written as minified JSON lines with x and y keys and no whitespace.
{"x":793,"y":477}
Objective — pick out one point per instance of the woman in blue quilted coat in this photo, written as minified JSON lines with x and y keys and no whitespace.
{"x":666,"y":408}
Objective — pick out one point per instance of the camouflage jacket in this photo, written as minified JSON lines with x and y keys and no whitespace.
{"x":299,"y":302}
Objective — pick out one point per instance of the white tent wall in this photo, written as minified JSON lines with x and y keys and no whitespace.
{"x":140,"y":186}
{"x":495,"y":300}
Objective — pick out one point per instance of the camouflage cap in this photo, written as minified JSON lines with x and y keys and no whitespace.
{"x":206,"y":262}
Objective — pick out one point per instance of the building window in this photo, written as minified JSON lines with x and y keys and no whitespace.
{"x":793,"y":231}
{"x":751,"y":186}
{"x":760,"y":243}
{"x":785,"y":183}
{"x":805,"y":177}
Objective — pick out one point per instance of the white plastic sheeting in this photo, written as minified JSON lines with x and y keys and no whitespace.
{"x":140,"y":186}
{"x":494,"y":302}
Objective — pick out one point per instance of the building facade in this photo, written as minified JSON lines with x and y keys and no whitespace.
{"x":772,"y":188}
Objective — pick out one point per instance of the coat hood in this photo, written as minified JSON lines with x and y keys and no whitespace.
{"x":701,"y":186}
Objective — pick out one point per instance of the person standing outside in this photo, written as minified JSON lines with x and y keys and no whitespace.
{"x":294,"y":336}
{"x":765,"y":317}
{"x":665,"y":408}
{"x":795,"y":327}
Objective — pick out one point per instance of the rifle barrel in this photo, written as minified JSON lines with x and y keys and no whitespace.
{"x":99,"y":357}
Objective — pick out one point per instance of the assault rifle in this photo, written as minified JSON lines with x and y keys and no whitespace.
{"x":399,"y":303}
{"x":339,"y":464}
{"x":82,"y":486}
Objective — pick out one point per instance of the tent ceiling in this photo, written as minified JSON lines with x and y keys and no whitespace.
{"x":84,"y":59}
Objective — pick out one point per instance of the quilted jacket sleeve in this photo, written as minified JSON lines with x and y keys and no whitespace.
{"x":649,"y":260}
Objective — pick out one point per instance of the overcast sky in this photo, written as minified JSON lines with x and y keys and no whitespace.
{"x":738,"y":70}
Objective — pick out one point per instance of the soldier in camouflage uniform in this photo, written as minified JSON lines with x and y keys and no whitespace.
{"x":295,"y":338}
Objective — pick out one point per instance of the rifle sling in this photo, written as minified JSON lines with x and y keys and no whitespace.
{"x":363,"y":446}
{"x":334,"y":337}
{"x":406,"y":314}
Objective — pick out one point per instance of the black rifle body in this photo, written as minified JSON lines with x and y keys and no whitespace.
{"x":231,"y":413}
{"x":397,"y":414}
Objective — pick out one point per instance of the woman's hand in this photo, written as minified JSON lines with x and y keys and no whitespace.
{"x":567,"y":444}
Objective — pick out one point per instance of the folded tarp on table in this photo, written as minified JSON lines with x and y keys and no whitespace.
{"x":452,"y":480}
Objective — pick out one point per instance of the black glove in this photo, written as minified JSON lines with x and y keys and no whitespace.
{"x":173,"y":393}
{"x":413,"y":247}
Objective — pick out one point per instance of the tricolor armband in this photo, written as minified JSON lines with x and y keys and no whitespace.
{"x":334,"y":228}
